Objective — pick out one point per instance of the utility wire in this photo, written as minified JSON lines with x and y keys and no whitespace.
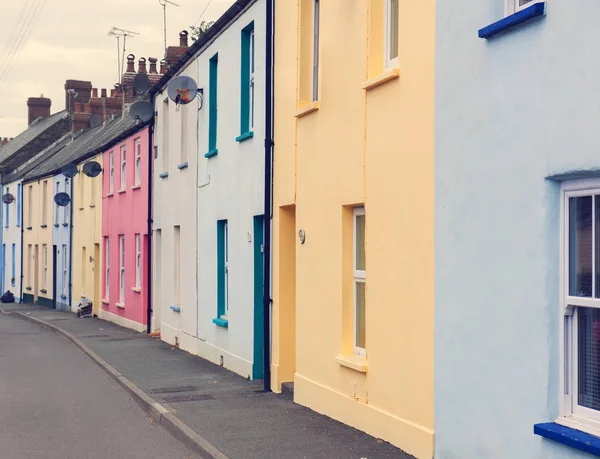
{"x":203,"y":11}
{"x":29,"y":28}
{"x":16,"y":32}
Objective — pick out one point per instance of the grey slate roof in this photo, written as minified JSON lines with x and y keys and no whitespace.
{"x":86,"y":145}
{"x":34,"y":139}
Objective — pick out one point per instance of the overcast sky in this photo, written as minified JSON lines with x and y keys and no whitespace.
{"x":69,"y":39}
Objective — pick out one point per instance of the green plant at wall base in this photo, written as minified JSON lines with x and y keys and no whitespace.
{"x":200,"y":29}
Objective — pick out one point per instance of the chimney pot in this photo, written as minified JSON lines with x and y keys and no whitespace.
{"x":142,"y":65}
{"x":112,"y":92}
{"x":95,"y":92}
{"x":163,"y":66}
{"x":103,"y":92}
{"x":153,"y":62}
{"x":183,"y":38}
{"x":130,"y":64}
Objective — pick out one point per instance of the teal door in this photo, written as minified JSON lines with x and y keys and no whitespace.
{"x":259,"y":348}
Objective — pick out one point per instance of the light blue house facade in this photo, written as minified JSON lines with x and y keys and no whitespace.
{"x":517,"y":241}
{"x":61,"y":241}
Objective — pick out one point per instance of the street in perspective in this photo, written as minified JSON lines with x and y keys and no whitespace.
{"x":299,"y":229}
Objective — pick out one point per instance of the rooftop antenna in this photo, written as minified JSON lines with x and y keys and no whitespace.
{"x":164,"y":4}
{"x":121,"y":59}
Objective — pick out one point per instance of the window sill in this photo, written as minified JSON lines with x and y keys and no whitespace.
{"x":354,"y":362}
{"x":43,"y":226}
{"x":120,"y":305}
{"x":221,"y":322}
{"x":106,"y":302}
{"x":109,"y":195}
{"x":29,"y":228}
{"x":211,"y":153}
{"x":163,"y":175}
{"x":175,"y":308}
{"x":92,"y":206}
{"x":43,"y":290}
{"x":63,"y":297}
{"x":183,"y":165}
{"x":136,"y":289}
{"x":136,"y":187}
{"x":12,"y":284}
{"x":18,"y":225}
{"x":122,"y":190}
{"x":81,"y":208}
{"x":65,"y":224}
{"x":244,"y":136}
{"x":56,"y":225}
{"x":28,"y":288}
{"x":384,"y":77}
{"x":312,"y":107}
{"x":535,"y":10}
{"x":569,"y":437}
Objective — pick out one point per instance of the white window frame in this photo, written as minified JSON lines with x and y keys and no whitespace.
{"x":111,"y":176}
{"x":138,"y":162}
{"x":226,"y":249}
{"x":123,"y":167}
{"x":138,"y":261}
{"x":252,"y":48}
{"x":389,"y":63}
{"x":65,"y":267}
{"x":107,"y":268}
{"x":315,"y":53}
{"x":30,"y":206}
{"x":29,"y":264}
{"x":56,"y":207}
{"x":122,"y":269}
{"x":66,"y":208}
{"x":512,"y":6}
{"x":570,"y":413}
{"x":45,"y":255}
{"x":359,"y":276}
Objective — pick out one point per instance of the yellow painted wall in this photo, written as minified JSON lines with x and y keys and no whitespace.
{"x":37,"y":220}
{"x":87,"y":233}
{"x":360,"y":146}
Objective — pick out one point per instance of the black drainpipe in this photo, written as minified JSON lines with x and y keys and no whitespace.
{"x":22,"y":234}
{"x":149,"y":238}
{"x":268,"y":193}
{"x":71,"y":246}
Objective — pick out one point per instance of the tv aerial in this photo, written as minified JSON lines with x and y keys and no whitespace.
{"x":142,"y":111}
{"x":92,"y":169}
{"x":8,"y":198}
{"x":164,"y":4}
{"x":70,"y":170}
{"x":62,"y":199}
{"x":115,"y":31}
{"x":182,"y":90}
{"x":141,"y":83}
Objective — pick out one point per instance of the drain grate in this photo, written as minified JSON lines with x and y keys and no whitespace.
{"x":187,"y":398}
{"x":166,"y":390}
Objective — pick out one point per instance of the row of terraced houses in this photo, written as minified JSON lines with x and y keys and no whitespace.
{"x":386,"y":207}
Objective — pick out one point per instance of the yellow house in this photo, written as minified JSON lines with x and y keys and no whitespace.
{"x":353,"y":260}
{"x":38,"y":274}
{"x":87,"y":237}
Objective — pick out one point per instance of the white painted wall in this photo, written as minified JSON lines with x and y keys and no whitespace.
{"x":12,"y":235}
{"x":229,"y":186}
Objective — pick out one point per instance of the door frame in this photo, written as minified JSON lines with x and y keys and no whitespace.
{"x":54,"y":274}
{"x":258,"y":370}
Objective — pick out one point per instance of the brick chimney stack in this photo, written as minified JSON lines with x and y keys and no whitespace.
{"x":173,"y":53}
{"x":153,"y":75}
{"x":38,"y":107}
{"x":76,"y":91}
{"x":4,"y":140}
{"x":81,"y":116}
{"x":127,"y":79}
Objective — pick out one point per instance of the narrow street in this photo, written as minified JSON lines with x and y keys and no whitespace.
{"x":56,"y":404}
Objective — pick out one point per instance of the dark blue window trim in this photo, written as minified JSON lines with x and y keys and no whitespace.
{"x":570,"y":437}
{"x":535,"y":10}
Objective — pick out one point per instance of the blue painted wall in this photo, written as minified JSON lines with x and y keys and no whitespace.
{"x":510,"y":111}
{"x":61,"y":238}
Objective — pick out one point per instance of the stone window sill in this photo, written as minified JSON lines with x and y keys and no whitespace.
{"x":43,"y":290}
{"x":43,"y":226}
{"x":65,"y":224}
{"x":244,"y":136}
{"x":175,"y":308}
{"x":383,"y":78}
{"x":535,"y":10}
{"x":81,"y":208}
{"x":109,"y":195}
{"x":63,"y":297}
{"x":312,"y":107}
{"x":105,"y":301}
{"x":136,"y":289}
{"x":29,"y":228}
{"x":122,"y":191}
{"x":136,"y":187}
{"x":211,"y":153}
{"x":354,"y":362}
{"x":163,"y":175}
{"x":183,"y":165}
{"x":92,"y":206}
{"x":28,"y":288}
{"x":569,"y":437}
{"x":221,"y":322}
{"x":120,"y":305}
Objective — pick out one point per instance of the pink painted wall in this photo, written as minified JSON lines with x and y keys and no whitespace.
{"x":125,"y":212}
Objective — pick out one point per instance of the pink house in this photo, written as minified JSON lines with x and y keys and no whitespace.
{"x":125,"y":258}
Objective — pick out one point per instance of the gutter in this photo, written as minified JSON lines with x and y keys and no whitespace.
{"x":149,"y":238}
{"x":268,"y":213}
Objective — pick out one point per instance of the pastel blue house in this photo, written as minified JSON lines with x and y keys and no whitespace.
{"x":517,"y":241}
{"x":61,"y":240}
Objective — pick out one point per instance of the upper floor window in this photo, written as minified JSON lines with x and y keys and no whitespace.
{"x":111,"y":172}
{"x":165,"y":135}
{"x":514,"y":6}
{"x":310,"y":14}
{"x":360,"y":279}
{"x":56,"y":207}
{"x":247,"y":82}
{"x":6,"y":211}
{"x":138,"y":162}
{"x":391,"y":33}
{"x":19,"y":204}
{"x":44,"y":202}
{"x":123,"y":167}
{"x":315,"y":66}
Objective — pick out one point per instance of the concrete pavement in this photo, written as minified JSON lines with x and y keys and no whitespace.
{"x":226,"y":411}
{"x":56,"y":404}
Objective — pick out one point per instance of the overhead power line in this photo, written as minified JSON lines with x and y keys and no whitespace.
{"x":203,"y":11}
{"x":15,"y":34}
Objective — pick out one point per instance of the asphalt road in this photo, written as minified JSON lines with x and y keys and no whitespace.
{"x":56,"y":404}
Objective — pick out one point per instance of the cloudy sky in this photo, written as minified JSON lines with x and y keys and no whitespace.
{"x":45,"y":42}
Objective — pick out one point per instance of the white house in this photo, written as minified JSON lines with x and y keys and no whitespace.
{"x":208,"y":261}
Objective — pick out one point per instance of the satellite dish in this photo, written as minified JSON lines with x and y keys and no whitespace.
{"x":142,"y":110}
{"x":62,"y":199}
{"x":92,"y":169}
{"x":69,"y":171}
{"x":141,"y":83}
{"x":182,"y":90}
{"x":95,"y":121}
{"x":8,"y":198}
